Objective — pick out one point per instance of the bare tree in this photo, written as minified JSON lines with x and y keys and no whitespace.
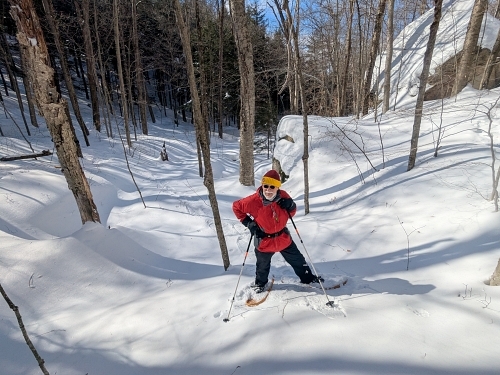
{"x":373,"y":55}
{"x":54,"y":28}
{"x":298,"y":78}
{"x":200,"y":123}
{"x":220,"y":101}
{"x":247,"y":91}
{"x":465,"y":69}
{"x":83,"y":11}
{"x":121,"y":76}
{"x":438,"y":4}
{"x":9,"y":64}
{"x":53,"y":108}
{"x":139,"y":74}
{"x":490,"y":63}
{"x":388,"y":57}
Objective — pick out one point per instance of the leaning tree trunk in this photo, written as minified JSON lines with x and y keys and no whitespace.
{"x":247,"y":91}
{"x":438,"y":4}
{"x":54,"y":27}
{"x":465,"y":69}
{"x":201,"y":132}
{"x":52,"y":107}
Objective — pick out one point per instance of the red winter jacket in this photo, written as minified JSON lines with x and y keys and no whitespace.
{"x":270,"y":217}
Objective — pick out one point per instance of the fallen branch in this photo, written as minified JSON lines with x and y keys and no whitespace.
{"x":29,"y":156}
{"x":14,"y":308}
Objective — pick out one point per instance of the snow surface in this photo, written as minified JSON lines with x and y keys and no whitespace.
{"x":410,"y":45}
{"x":145,"y":292}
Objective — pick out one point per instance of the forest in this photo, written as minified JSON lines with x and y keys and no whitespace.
{"x":215,"y":64}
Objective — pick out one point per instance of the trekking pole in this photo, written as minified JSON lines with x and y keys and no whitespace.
{"x":236,"y":289}
{"x":329,"y":303}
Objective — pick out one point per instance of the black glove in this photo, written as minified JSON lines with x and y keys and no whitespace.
{"x":255,"y":230}
{"x":247,"y":221}
{"x":287,"y":204}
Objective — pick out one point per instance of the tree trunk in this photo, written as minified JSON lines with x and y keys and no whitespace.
{"x":49,"y":16}
{"x":495,"y":278}
{"x":139,"y":74}
{"x":388,"y":57}
{"x":53,"y":108}
{"x":373,"y":55}
{"x":488,"y":68}
{"x":294,"y":34}
{"x":221,"y":70}
{"x":201,"y":133}
{"x":343,"y":85}
{"x":28,"y":90}
{"x":247,"y":91}
{"x":123,"y":92}
{"x":84,"y":16}
{"x":104,"y":86}
{"x":465,"y":68}
{"x":438,"y":4}
{"x":9,"y":63}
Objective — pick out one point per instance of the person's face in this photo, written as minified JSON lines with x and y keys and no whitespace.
{"x":269,"y":191}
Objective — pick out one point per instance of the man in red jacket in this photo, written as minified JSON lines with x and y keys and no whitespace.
{"x":265,"y":214}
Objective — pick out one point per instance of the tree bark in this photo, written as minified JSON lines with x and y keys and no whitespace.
{"x":488,"y":68}
{"x":388,"y":59}
{"x":121,"y":77}
{"x":294,"y":34}
{"x":139,"y":74}
{"x":108,"y":108}
{"x":84,"y":16}
{"x":28,"y":90}
{"x":373,"y":55}
{"x":247,"y":91}
{"x":465,"y":68}
{"x":53,"y":108}
{"x":201,"y":124}
{"x":9,"y":63}
{"x":343,"y":85}
{"x":438,"y":4}
{"x":54,"y":27}
{"x":221,"y":68}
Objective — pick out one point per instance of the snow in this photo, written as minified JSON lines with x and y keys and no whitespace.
{"x":145,"y":292}
{"x":410,"y":45}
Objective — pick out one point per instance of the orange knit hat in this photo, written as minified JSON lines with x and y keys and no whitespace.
{"x":271,"y":178}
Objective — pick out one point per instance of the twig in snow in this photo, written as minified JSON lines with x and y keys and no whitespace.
{"x":14,"y":308}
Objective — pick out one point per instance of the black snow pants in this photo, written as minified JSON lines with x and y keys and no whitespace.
{"x":292,"y":256}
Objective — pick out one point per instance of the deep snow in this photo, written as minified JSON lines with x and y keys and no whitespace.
{"x":145,"y":291}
